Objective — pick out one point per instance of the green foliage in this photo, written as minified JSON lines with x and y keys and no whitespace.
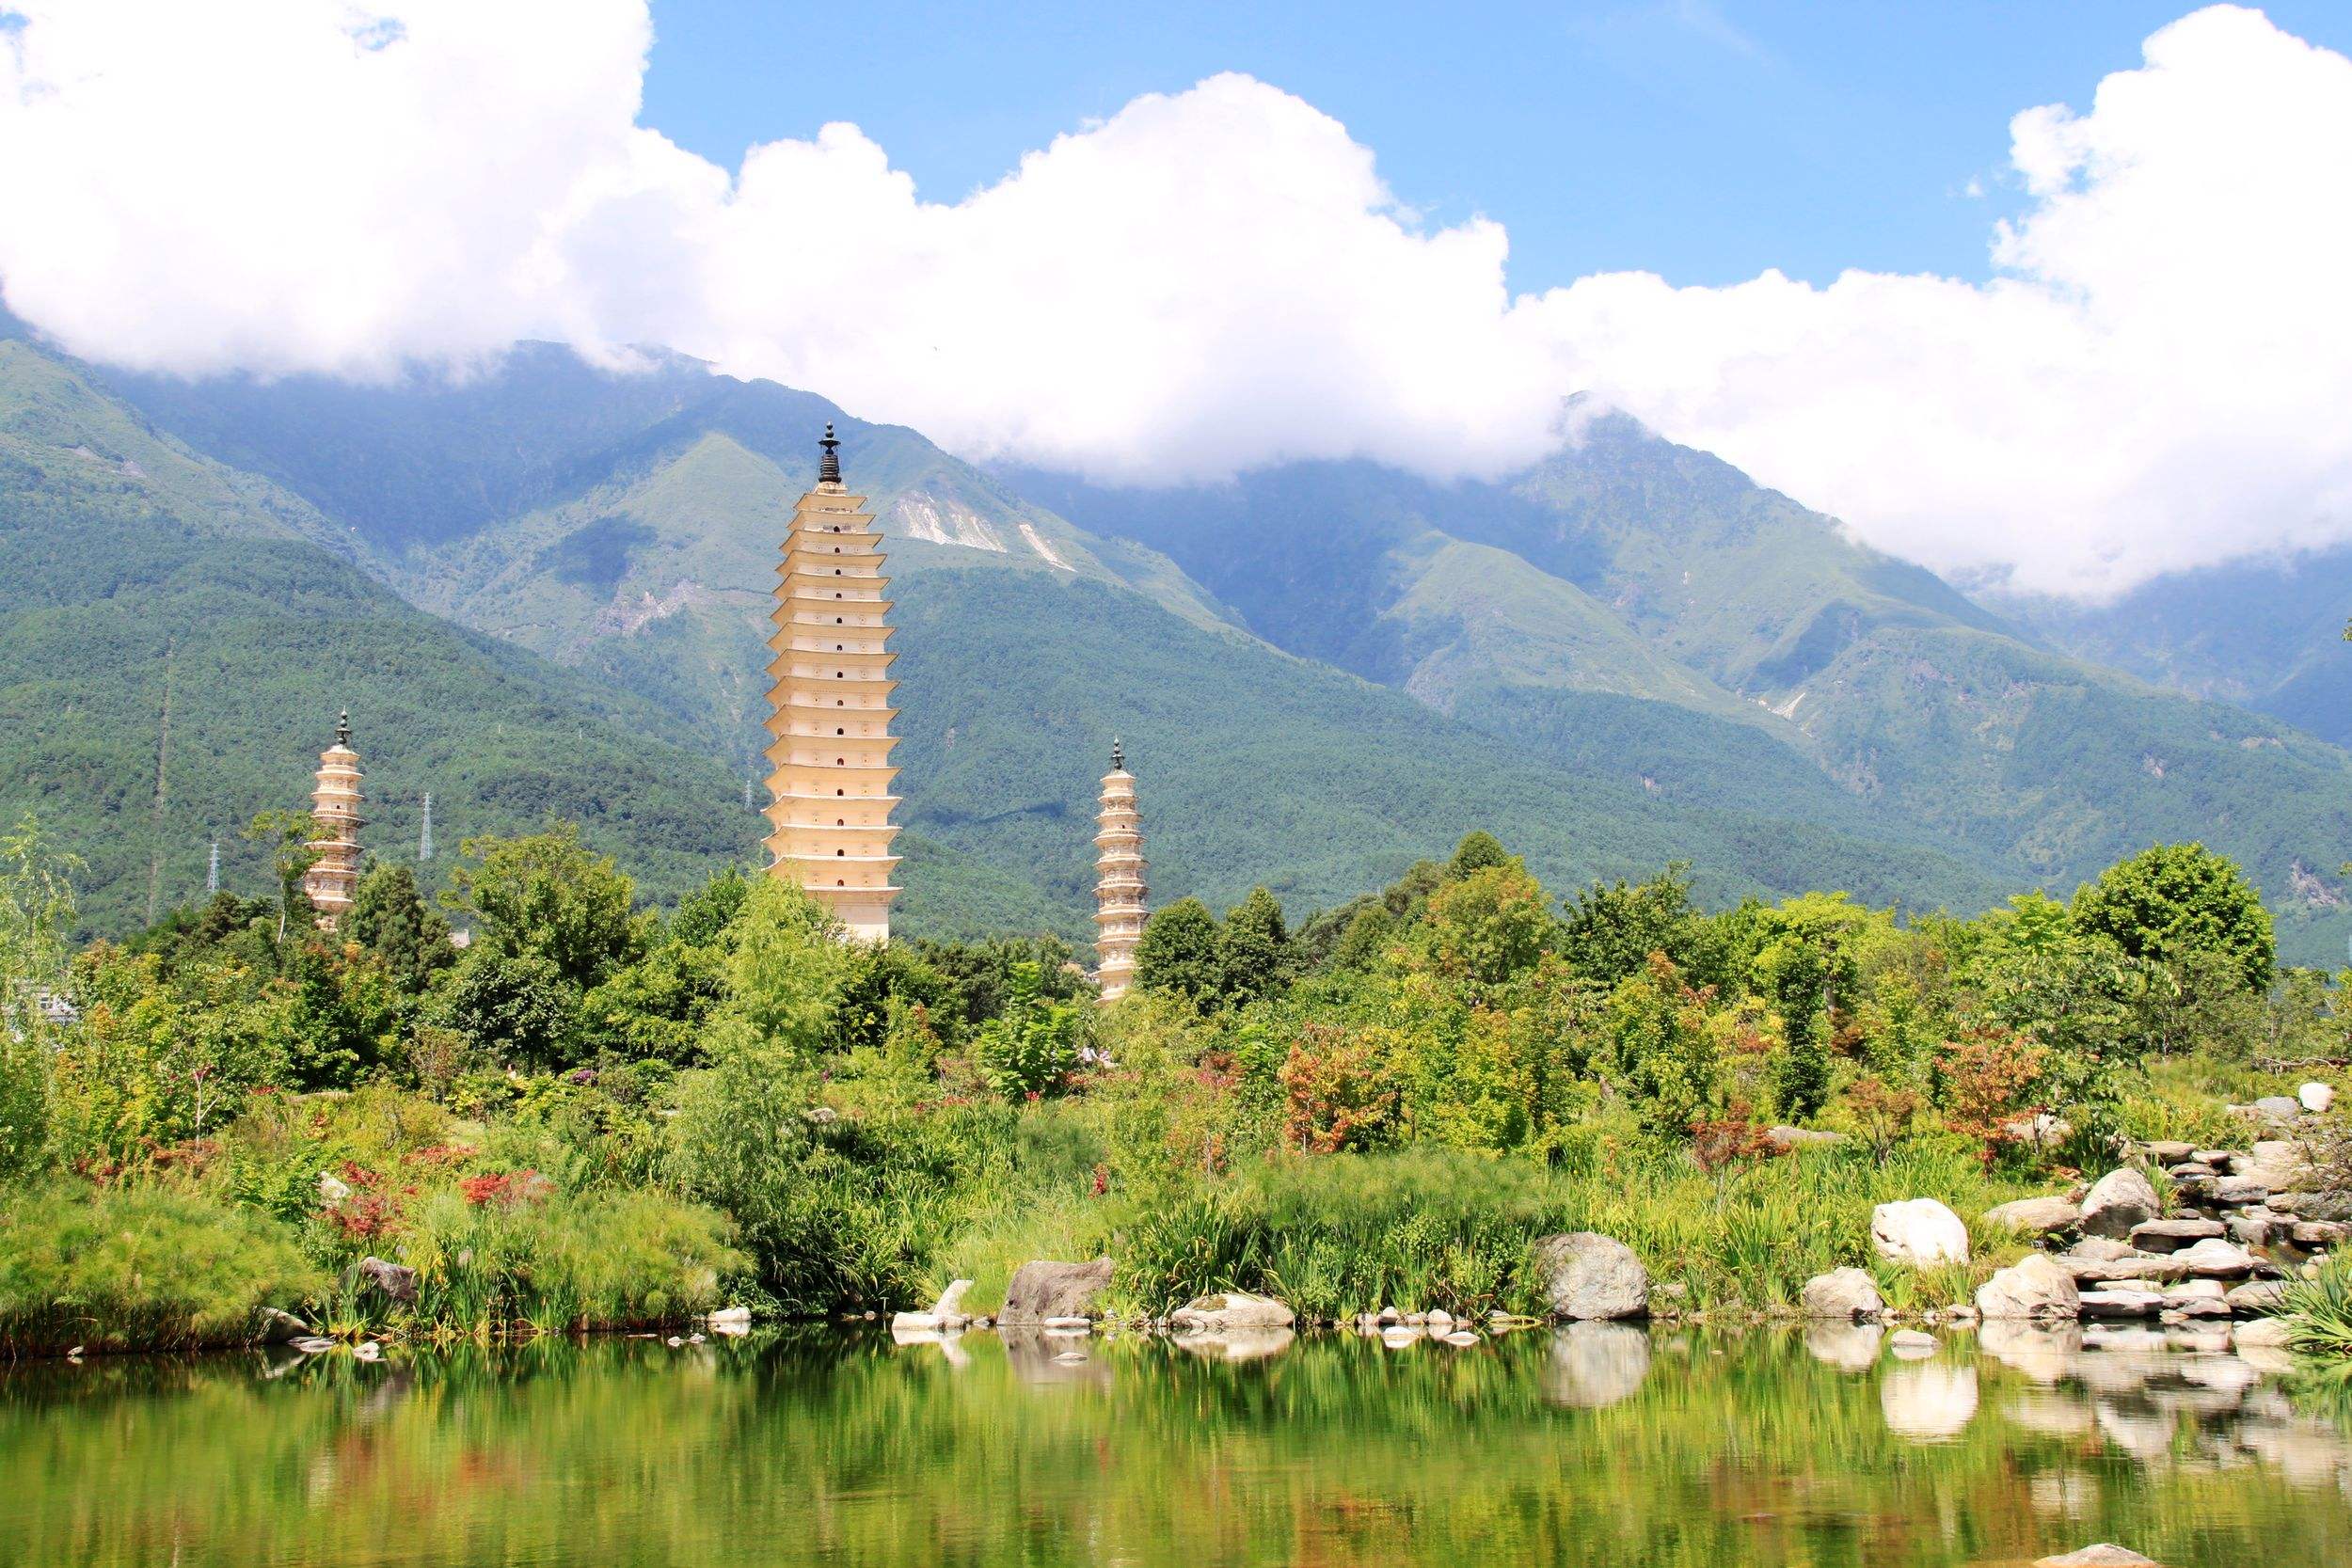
{"x":2319,"y":1311}
{"x":1032,"y":1045}
{"x":1478,"y":850}
{"x":391,"y":918}
{"x":1254,"y":949}
{"x":1490,"y":926}
{"x":1661,"y":1054}
{"x":1179,"y":954}
{"x":514,"y":1007}
{"x":2175,"y":903}
{"x":549,"y":897}
{"x":36,"y":913}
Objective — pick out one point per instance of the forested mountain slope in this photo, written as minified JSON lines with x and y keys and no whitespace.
{"x":174,"y":650}
{"x":1027,"y":642}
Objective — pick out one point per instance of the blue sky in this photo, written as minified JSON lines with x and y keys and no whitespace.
{"x":1702,"y":141}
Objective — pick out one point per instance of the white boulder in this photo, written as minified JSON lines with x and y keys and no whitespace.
{"x":2039,"y":1286}
{"x":1921,"y":1232}
{"x":1845,"y":1294}
{"x":2317,"y":1097}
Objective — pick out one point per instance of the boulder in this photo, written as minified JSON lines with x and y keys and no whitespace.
{"x":2317,"y":1097}
{"x":2037,"y":1287}
{"x":726,"y":1315}
{"x":2320,"y":1233}
{"x":2118,"y":1200}
{"x":2172,"y":1235}
{"x":2101,"y":1556}
{"x":2168,"y":1153}
{"x":2036,"y":1216}
{"x":2255,"y":1227}
{"x":1921,"y":1232}
{"x":394,"y":1282}
{"x":2119,"y":1304}
{"x":1789,"y":1138}
{"x":2093,"y":1269}
{"x":1043,"y":1289}
{"x":2101,"y":1249}
{"x":2260,"y":1295}
{"x":2279,"y":1164}
{"x":1591,"y":1276}
{"x":281,"y":1327}
{"x":2217,"y":1260}
{"x":1847,"y":1294}
{"x":331,"y":1190}
{"x":2279,"y":1107}
{"x":2235,"y":1191}
{"x":2271,"y":1332}
{"x":946,"y":1313}
{"x":1231,"y":1312}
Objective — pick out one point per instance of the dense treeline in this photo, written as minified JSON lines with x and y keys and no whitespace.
{"x":592,"y":1112}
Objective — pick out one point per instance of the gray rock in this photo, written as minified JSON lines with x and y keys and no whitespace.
{"x":2037,"y":1287}
{"x":2237,"y":1191}
{"x":2101,"y":1556}
{"x":2219,"y":1159}
{"x":2168,"y":1153}
{"x":279,"y":1327}
{"x":2279,"y":1107}
{"x":2253,"y":1227}
{"x":1047,"y":1290}
{"x":2036,"y":1216}
{"x":394,"y":1282}
{"x":2216,"y":1260}
{"x":2190,"y":1170}
{"x":1592,"y":1277}
{"x":2260,"y":1295}
{"x":2104,"y":1270}
{"x":2319,"y":1233}
{"x":1232,"y":1311}
{"x":1842,"y":1293}
{"x":2119,"y":1304}
{"x":1920,"y":1233}
{"x":2101,"y":1249}
{"x":2118,"y":1200}
{"x":2172,"y":1235}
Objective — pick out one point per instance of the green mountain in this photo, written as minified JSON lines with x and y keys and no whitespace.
{"x":174,"y":647}
{"x":1027,"y":641}
{"x":2265,"y":633}
{"x":1871,"y":674}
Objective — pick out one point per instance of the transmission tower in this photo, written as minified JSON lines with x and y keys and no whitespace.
{"x":212,"y":872}
{"x":424,"y":834}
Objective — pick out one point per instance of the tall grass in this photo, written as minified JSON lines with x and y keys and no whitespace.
{"x":2319,"y":1310}
{"x":142,"y":1266}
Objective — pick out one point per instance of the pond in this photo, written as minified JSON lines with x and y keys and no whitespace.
{"x":1599,"y":1445}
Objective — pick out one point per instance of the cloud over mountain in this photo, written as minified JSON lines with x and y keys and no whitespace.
{"x":1211,"y":280}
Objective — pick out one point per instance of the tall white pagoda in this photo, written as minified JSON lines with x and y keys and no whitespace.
{"x":829,"y":792}
{"x":334,"y":873}
{"x":1119,"y":886}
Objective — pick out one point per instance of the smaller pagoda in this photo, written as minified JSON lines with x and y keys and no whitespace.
{"x":334,"y":874}
{"x":1119,"y":887}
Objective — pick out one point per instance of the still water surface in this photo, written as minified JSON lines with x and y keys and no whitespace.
{"x":1602,"y":1446}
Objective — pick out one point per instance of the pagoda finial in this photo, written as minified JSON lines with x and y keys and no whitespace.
{"x":828,"y":465}
{"x":1119,"y":755}
{"x":343,"y":729}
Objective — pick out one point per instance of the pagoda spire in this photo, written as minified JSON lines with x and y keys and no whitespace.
{"x":830,"y":715}
{"x":1119,"y":886}
{"x":334,"y":873}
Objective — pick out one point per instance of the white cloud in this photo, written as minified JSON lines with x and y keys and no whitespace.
{"x":1209,"y":280}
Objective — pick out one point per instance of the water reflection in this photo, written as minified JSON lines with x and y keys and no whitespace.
{"x":1603,"y":1444}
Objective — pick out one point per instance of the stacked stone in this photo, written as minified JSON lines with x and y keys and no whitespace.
{"x":1119,"y":887}
{"x":334,"y":875}
{"x":829,"y":793}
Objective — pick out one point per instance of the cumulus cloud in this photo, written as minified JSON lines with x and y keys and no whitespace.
{"x":1209,"y":280}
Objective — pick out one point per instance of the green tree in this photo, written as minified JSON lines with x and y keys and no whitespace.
{"x":518,"y":1007}
{"x":1478,"y":850}
{"x":1178,"y":954}
{"x":1255,"y":948}
{"x":1491,"y":925}
{"x":1661,"y":1054}
{"x":1032,"y":1047}
{"x":1364,"y":939}
{"x":2167,"y":903}
{"x":288,"y":833}
{"x":786,"y":972}
{"x":549,"y":896}
{"x":1612,"y":929}
{"x":36,"y":915}
{"x":391,"y":918}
